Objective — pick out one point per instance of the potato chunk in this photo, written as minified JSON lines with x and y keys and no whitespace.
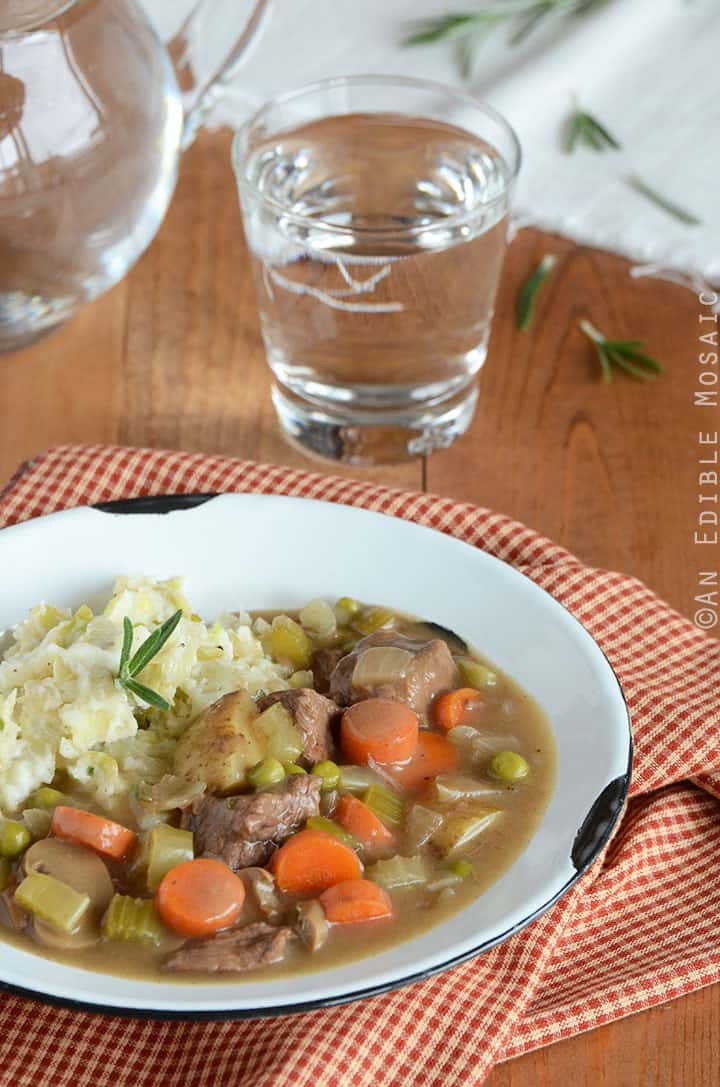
{"x":222,"y":744}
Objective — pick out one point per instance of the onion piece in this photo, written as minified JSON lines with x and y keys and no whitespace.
{"x":319,"y":619}
{"x":448,"y":788}
{"x":481,"y":746}
{"x":420,"y":825}
{"x":380,"y":665}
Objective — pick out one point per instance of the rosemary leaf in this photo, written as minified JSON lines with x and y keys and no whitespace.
{"x":467,"y":28}
{"x":153,"y":644}
{"x":582,"y":127}
{"x":530,"y":290}
{"x":526,"y":26}
{"x":624,"y":354}
{"x":630,"y":368}
{"x":442,"y":28}
{"x":662,"y":202}
{"x":126,"y":645}
{"x":147,"y":695}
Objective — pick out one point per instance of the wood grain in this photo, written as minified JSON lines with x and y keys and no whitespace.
{"x":172,"y":357}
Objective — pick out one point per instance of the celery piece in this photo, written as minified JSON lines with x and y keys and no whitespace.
{"x":385,"y":803}
{"x":477,"y":675}
{"x":396,"y":872}
{"x":302,"y":678}
{"x":371,"y":619}
{"x":53,"y":901}
{"x":283,"y":738}
{"x":345,"y":609}
{"x":289,"y":644}
{"x":329,"y":826}
{"x":460,"y":831}
{"x":134,"y":919}
{"x":167,"y":846}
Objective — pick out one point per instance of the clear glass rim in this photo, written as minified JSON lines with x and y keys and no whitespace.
{"x":459,"y":219}
{"x":33,"y":14}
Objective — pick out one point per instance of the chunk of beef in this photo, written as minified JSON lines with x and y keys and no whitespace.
{"x":313,"y":714}
{"x":429,"y":671}
{"x":234,"y":951}
{"x":245,"y":830}
{"x":323,"y":662}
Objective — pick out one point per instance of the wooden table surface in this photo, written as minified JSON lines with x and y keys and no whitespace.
{"x":172,"y":357}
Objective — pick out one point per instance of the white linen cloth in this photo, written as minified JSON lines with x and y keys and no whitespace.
{"x":649,"y":70}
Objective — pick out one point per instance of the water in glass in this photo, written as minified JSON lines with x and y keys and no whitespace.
{"x":377,"y":240}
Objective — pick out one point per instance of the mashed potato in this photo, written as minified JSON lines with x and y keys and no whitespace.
{"x":63,"y":709}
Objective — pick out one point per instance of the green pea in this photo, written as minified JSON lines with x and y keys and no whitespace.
{"x":329,"y":772}
{"x":14,"y":838}
{"x":508,"y":766}
{"x":293,"y":768}
{"x":462,"y":868}
{"x":45,"y":797}
{"x":5,"y":873}
{"x":268,"y":771}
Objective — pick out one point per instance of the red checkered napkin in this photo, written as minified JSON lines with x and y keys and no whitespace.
{"x":642,"y":927}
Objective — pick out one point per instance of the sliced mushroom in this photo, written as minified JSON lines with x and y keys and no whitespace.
{"x":37,"y":820}
{"x":261,"y":884}
{"x":80,"y":869}
{"x":16,"y":914}
{"x":311,"y":925}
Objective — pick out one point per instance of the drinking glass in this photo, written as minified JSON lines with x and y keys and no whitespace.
{"x":375,"y":213}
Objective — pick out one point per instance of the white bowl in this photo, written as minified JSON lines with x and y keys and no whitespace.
{"x":259,"y":551}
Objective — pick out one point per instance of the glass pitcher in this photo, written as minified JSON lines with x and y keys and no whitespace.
{"x":94,"y":112}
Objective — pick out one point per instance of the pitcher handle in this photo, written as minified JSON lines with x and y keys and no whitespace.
{"x":198,"y":89}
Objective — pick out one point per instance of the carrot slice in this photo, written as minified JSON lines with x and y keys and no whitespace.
{"x":355,"y":900}
{"x":102,"y":835}
{"x":380,"y":729}
{"x":197,"y":898}
{"x":456,"y":707}
{"x":434,"y":755}
{"x":360,"y":821}
{"x":311,"y":861}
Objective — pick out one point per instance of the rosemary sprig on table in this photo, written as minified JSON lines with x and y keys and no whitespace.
{"x":466,"y":29}
{"x":130,"y":667}
{"x":625,"y":354}
{"x":662,"y":202}
{"x":581,"y":127}
{"x":529,"y":291}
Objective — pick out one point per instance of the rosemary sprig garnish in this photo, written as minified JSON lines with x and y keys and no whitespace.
{"x":662,"y":202}
{"x":467,"y":28}
{"x":582,"y":127}
{"x":130,"y":667}
{"x":529,"y":291}
{"x":625,"y":354}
